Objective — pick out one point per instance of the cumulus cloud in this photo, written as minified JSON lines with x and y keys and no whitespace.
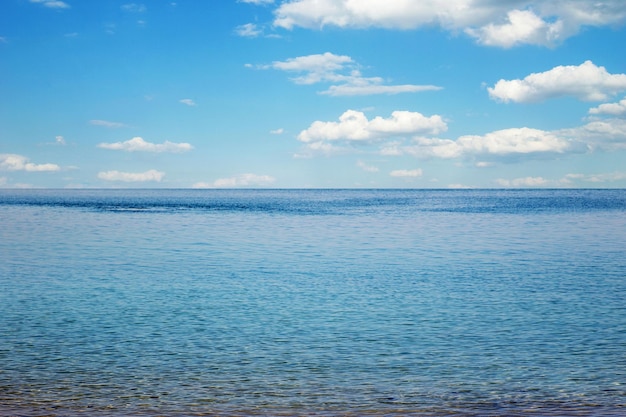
{"x":354,"y":126}
{"x":492,"y":23}
{"x":522,"y":27}
{"x":188,"y":102}
{"x":14,"y":162}
{"x":609,"y":134}
{"x":612,"y":109}
{"x":406,"y":173}
{"x":586,"y":82}
{"x":151,"y":175}
{"x":502,"y":142}
{"x":138,"y":144}
{"x":411,"y":133}
{"x":243,"y":180}
{"x":53,"y":4}
{"x":343,"y":72}
{"x":106,"y":123}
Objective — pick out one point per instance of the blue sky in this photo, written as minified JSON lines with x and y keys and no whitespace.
{"x":313,"y":93}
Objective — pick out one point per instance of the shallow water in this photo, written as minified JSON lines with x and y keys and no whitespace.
{"x":312,"y":302}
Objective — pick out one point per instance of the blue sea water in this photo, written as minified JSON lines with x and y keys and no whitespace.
{"x":313,"y":302}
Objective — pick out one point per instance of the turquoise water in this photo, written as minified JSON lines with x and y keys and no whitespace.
{"x":313,"y":302}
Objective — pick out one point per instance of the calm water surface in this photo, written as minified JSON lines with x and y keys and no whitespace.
{"x":312,"y":302}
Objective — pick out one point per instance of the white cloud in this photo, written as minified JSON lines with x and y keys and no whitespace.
{"x":59,"y":140}
{"x":53,"y":4}
{"x":596,"y":178}
{"x":483,"y":164}
{"x":243,"y":180}
{"x":134,"y":8}
{"x":138,"y":144}
{"x":14,"y":162}
{"x":613,"y":109}
{"x":609,"y":134}
{"x":522,"y":27}
{"x":249,"y":30}
{"x":354,"y":126}
{"x":502,"y":142}
{"x":151,"y":175}
{"x":317,"y":67}
{"x":343,"y":72}
{"x":586,"y":82}
{"x":494,"y":23}
{"x":371,"y":86}
{"x":278,"y":131}
{"x":365,"y":167}
{"x":257,"y":1}
{"x":523,"y":182}
{"x":459,"y":187}
{"x":188,"y":102}
{"x":106,"y":123}
{"x":406,"y":173}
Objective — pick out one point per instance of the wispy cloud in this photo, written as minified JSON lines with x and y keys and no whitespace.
{"x":134,"y":8}
{"x":14,"y":162}
{"x":257,"y":1}
{"x":568,"y":180}
{"x":597,"y":178}
{"x":188,"y":102}
{"x":341,"y":71}
{"x":279,"y":131}
{"x":59,"y":140}
{"x":586,"y":82}
{"x":523,"y":182}
{"x":249,"y":30}
{"x":53,"y":4}
{"x":138,"y":144}
{"x":110,"y":28}
{"x":365,"y":167}
{"x":148,"y":176}
{"x":406,"y":173}
{"x":243,"y":180}
{"x":106,"y":123}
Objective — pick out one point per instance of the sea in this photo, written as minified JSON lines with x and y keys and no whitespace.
{"x":313,"y":302}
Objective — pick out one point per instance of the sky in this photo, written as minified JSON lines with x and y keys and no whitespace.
{"x":313,"y":94}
